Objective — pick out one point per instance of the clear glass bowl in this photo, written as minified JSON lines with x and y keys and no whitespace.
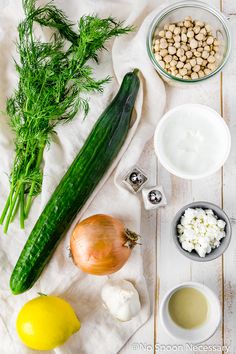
{"x":198,"y":11}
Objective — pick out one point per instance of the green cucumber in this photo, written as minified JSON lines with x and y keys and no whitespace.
{"x":96,"y":156}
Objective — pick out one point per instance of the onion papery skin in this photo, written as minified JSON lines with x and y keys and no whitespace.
{"x":101,"y":244}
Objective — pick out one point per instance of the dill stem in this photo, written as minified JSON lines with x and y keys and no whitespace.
{"x":31,"y":192}
{"x":29,"y":164}
{"x":5,"y":210}
{"x":18,"y":199}
{"x":22,"y":206}
{"x":8,"y":203}
{"x":12,"y":205}
{"x":15,"y":210}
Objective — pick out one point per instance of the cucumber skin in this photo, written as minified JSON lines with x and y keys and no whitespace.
{"x":101,"y":147}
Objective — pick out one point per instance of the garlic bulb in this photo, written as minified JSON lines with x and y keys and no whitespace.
{"x":121,"y":299}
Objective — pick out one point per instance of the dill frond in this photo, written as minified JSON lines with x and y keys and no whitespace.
{"x":53,"y":76}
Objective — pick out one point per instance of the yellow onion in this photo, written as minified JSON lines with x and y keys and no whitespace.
{"x":101,"y":244}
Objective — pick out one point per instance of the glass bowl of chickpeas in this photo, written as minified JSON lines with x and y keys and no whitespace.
{"x":189,"y":42}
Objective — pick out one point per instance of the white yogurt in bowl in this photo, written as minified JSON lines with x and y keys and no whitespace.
{"x":192,"y":141}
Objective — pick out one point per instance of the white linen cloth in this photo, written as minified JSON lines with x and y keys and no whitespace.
{"x":99,"y":333}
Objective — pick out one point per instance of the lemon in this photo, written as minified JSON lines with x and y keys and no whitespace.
{"x":46,"y":322}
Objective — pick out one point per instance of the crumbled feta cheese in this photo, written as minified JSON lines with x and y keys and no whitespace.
{"x":188,"y":246}
{"x":200,"y":230}
{"x":221,"y":224}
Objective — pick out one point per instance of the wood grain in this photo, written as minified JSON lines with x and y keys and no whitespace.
{"x":228,"y":186}
{"x":171,"y":267}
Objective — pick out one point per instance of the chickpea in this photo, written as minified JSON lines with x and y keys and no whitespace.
{"x":186,"y":49}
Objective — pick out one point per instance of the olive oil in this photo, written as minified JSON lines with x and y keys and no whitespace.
{"x":188,"y":308}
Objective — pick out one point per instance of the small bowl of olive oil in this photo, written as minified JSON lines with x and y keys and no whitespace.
{"x":190,"y":313}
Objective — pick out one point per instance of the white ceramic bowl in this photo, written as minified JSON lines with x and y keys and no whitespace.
{"x":218,"y":132}
{"x":196,"y":335}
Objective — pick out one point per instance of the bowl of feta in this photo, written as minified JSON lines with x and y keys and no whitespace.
{"x":201,"y":231}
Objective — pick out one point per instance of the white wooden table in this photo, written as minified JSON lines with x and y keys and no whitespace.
{"x":161,"y":259}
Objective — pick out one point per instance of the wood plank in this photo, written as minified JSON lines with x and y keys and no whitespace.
{"x":229,"y":7}
{"x":173,"y":268}
{"x":180,"y":192}
{"x":229,"y":194}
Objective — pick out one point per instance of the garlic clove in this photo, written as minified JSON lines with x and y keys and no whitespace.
{"x":121,"y":299}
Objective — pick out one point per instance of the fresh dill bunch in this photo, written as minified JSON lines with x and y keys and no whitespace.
{"x":53,"y":76}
